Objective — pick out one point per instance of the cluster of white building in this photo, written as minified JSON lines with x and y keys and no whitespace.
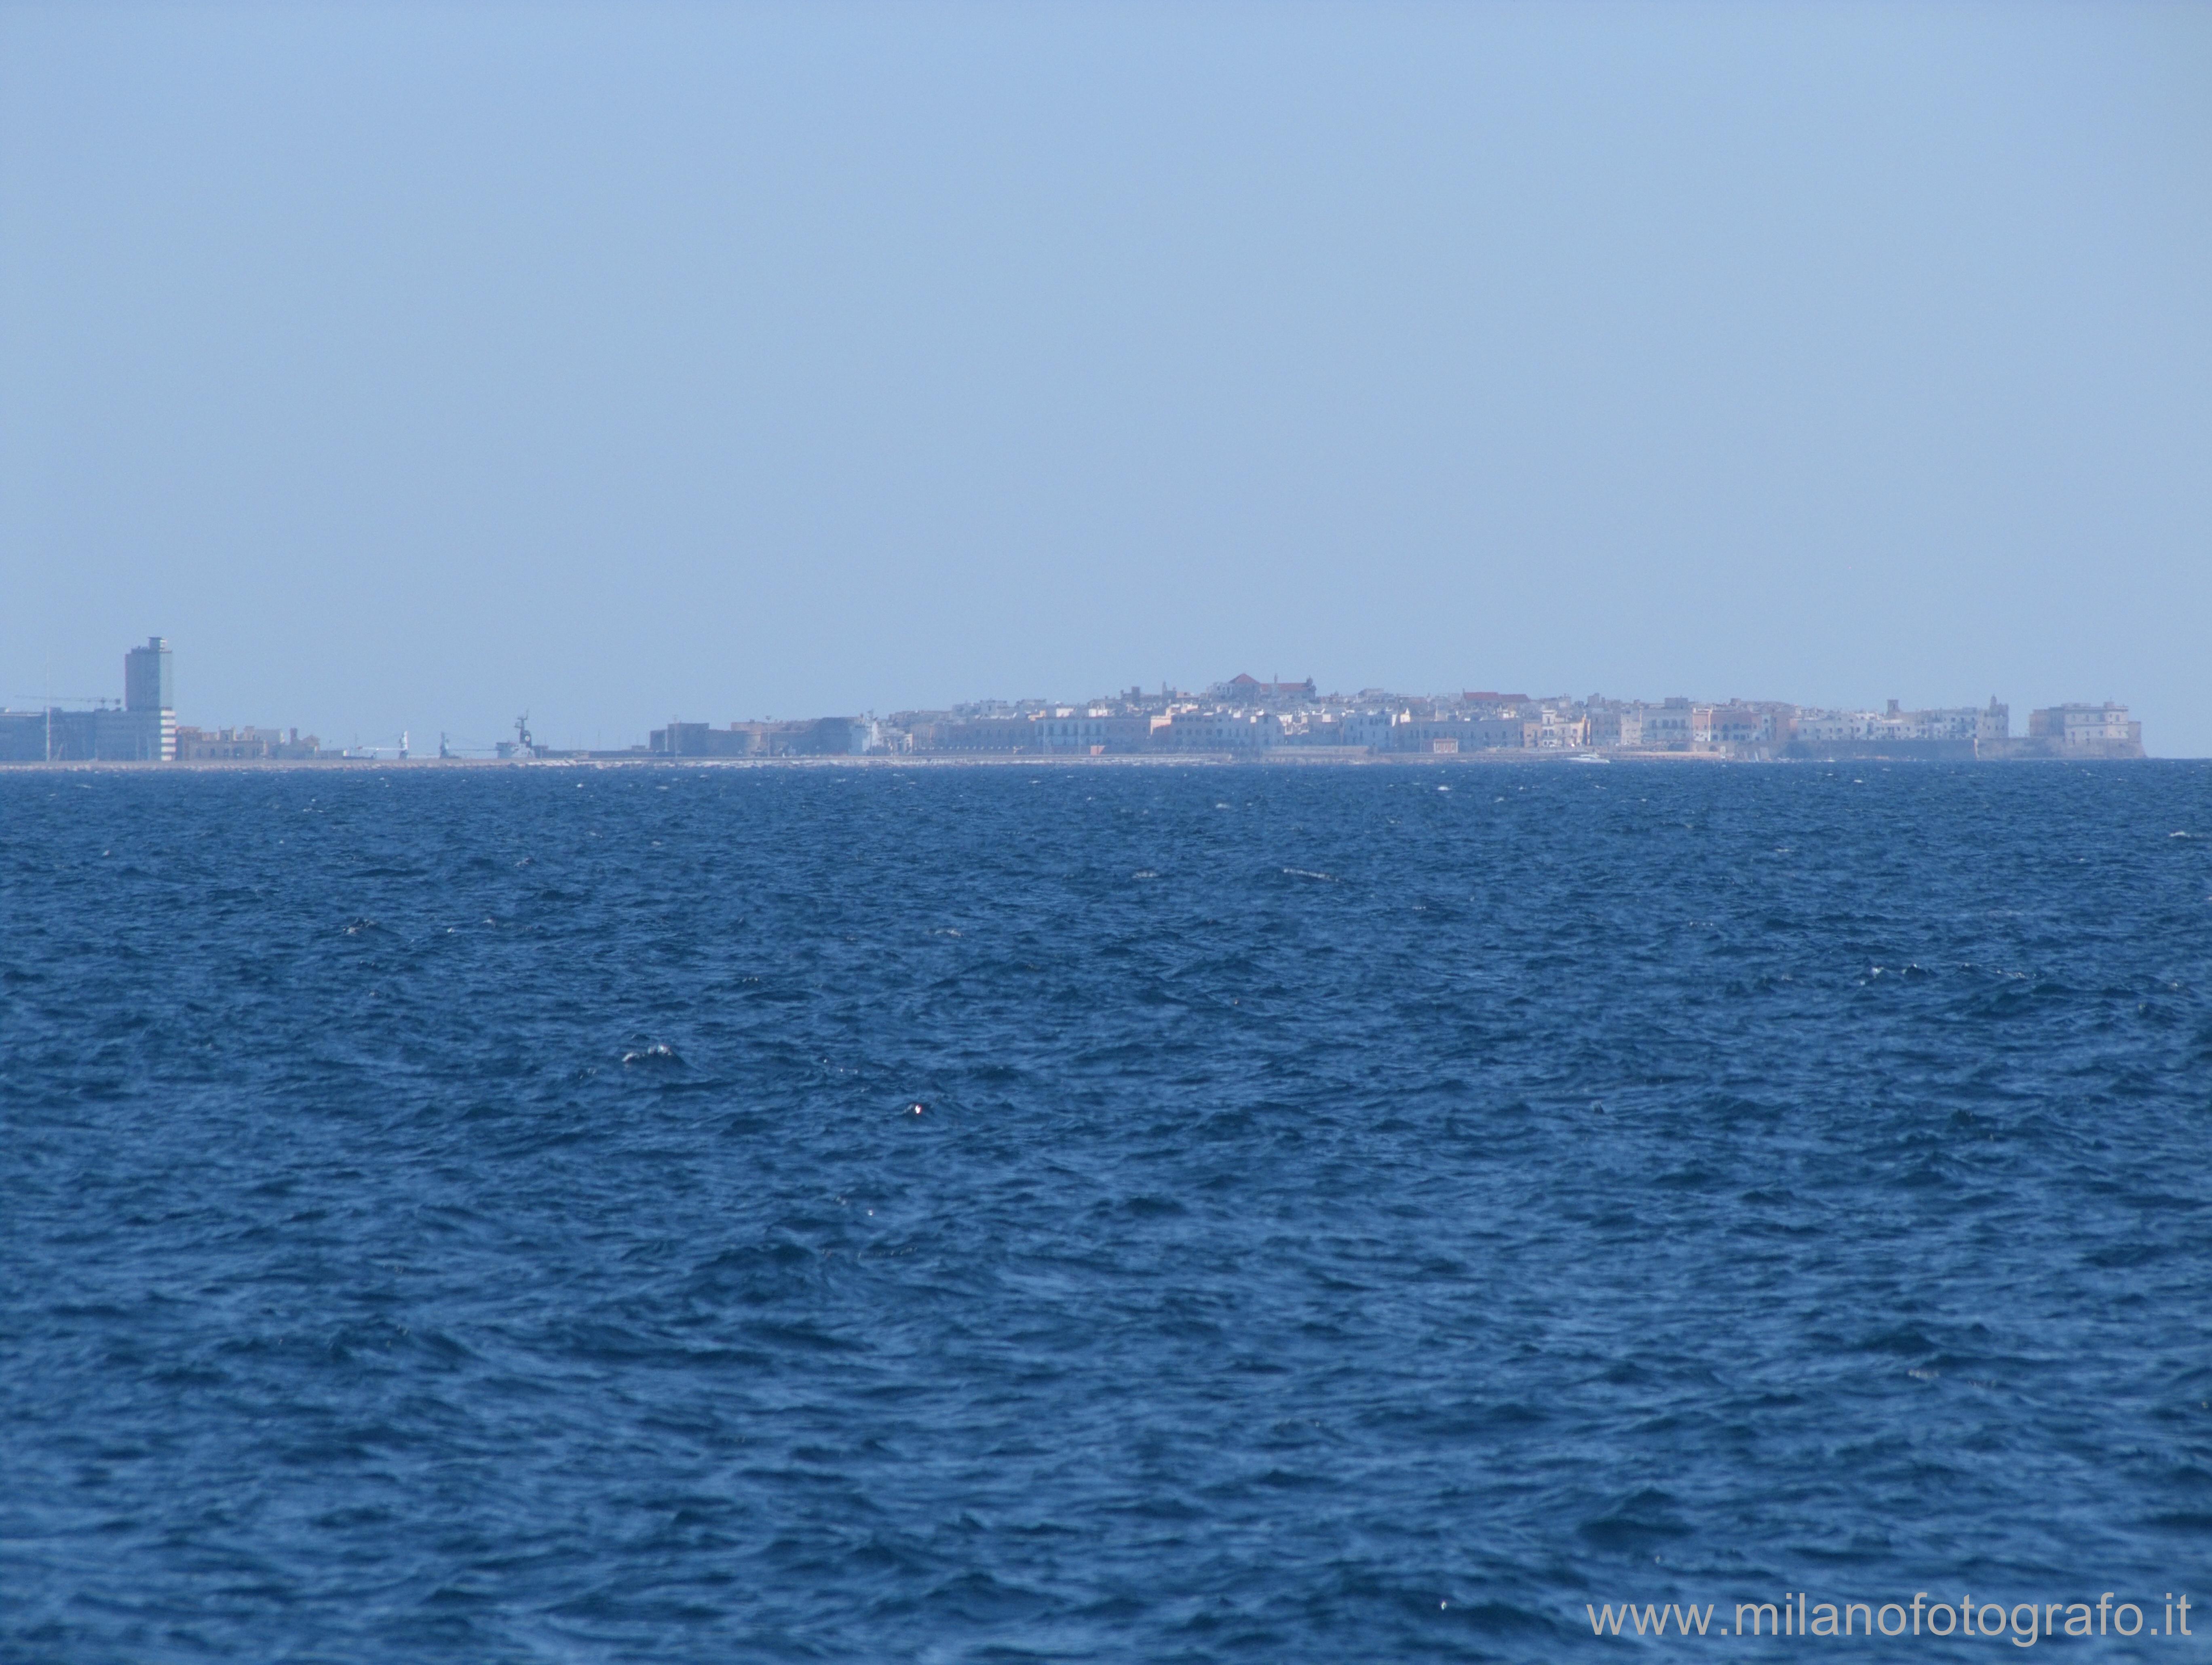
{"x":1245,"y":716}
{"x":1242,"y":718}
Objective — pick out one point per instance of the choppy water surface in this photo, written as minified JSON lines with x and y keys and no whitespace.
{"x":1093,"y":1213}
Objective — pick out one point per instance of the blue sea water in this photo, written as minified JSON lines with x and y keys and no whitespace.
{"x":1096,"y":1213}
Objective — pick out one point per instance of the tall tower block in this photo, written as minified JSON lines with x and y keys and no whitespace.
{"x":149,"y":686}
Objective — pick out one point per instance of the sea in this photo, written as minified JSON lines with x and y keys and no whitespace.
{"x":1104,"y":1213}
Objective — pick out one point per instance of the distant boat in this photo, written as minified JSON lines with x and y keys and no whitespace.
{"x":524,"y":745}
{"x":1588,"y":757}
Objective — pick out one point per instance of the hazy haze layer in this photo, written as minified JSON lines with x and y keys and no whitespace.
{"x":411,"y":366}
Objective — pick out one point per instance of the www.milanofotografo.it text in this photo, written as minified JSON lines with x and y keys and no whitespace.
{"x":1797,"y":1613}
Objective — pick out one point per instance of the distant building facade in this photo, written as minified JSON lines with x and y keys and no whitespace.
{"x":142,"y":730}
{"x":1244,"y":689}
{"x":105,"y":734}
{"x":1675,"y":725}
{"x":149,"y":677}
{"x":1093,"y":732}
{"x":2085,"y":728}
{"x":820,"y":737}
{"x":150,"y":701}
{"x":244,"y":745}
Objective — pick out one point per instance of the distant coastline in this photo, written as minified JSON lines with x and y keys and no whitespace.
{"x":1280,"y":760}
{"x":1241,"y":720}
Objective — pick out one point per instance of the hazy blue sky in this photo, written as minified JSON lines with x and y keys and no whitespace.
{"x":408,"y":366}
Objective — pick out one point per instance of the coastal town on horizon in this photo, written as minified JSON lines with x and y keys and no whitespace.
{"x":1240,"y":720}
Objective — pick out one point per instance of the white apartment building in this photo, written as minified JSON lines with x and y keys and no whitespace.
{"x":1556,"y":729}
{"x":1219,"y":731}
{"x":1676,"y":724}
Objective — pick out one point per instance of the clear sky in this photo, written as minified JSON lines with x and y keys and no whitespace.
{"x":411,"y":366}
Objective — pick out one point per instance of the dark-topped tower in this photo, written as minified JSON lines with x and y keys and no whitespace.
{"x":149,"y":707}
{"x":149,"y":677}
